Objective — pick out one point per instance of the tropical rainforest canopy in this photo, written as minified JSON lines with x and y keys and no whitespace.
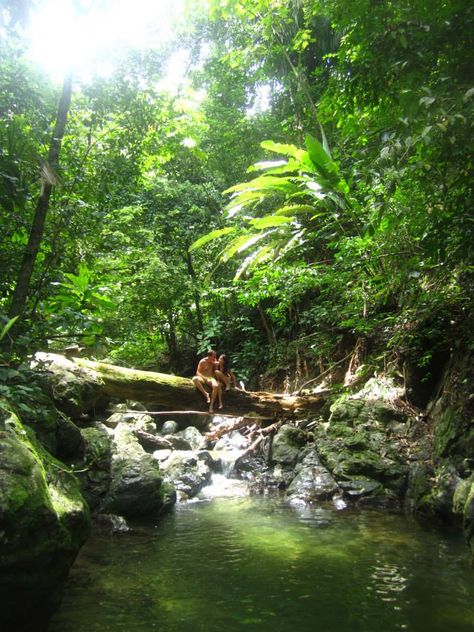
{"x":305,"y":187}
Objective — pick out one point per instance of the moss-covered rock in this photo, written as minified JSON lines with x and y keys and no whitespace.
{"x":136,"y":480}
{"x":94,"y":470}
{"x":70,"y":443}
{"x":419,"y":495}
{"x":287,"y":444}
{"x":453,"y":414}
{"x":463,"y":505}
{"x":187,"y":471}
{"x":43,"y":522}
{"x":74,"y":389}
{"x":361,"y":445}
{"x":312,"y":481}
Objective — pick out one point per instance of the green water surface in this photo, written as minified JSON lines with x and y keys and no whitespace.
{"x":255,"y":563}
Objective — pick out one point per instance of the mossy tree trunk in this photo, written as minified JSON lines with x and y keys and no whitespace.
{"x":170,"y":392}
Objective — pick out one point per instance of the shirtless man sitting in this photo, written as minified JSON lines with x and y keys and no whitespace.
{"x":205,"y":376}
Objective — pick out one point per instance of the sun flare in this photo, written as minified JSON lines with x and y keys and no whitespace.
{"x":86,"y":36}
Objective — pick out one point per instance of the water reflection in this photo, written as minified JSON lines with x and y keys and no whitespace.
{"x":257,"y":564}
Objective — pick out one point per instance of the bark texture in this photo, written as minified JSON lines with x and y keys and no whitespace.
{"x":178,"y":393}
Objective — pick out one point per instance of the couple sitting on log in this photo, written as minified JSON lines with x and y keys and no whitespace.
{"x":216,"y":374}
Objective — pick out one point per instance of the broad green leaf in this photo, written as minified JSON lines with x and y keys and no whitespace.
{"x":266,"y":164}
{"x":256,"y":257}
{"x":103,"y":301}
{"x":295,"y":241}
{"x":282,"y":148}
{"x":468,"y":94}
{"x":295,"y":208}
{"x":318,"y":155}
{"x":245,"y":198}
{"x":241,"y":243}
{"x":282,"y":166}
{"x":220,"y":232}
{"x":270,"y":221}
{"x":292,"y":166}
{"x":325,"y":141}
{"x":264,"y":183}
{"x":8,"y":326}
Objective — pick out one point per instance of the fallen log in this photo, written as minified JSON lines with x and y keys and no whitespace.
{"x":177,"y":394}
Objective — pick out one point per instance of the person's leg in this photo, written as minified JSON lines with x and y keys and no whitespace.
{"x":198,"y":383}
{"x":214,"y":394}
{"x":225,"y":379}
{"x":219,"y":396}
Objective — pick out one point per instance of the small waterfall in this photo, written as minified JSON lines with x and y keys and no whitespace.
{"x":223,"y":487}
{"x":227,"y":450}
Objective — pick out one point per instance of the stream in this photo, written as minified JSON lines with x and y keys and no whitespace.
{"x":234,"y":562}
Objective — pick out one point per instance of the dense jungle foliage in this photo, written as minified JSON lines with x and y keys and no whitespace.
{"x":309,"y":189}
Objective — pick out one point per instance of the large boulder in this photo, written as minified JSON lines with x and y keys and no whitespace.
{"x":453,"y":414}
{"x":286,"y":445}
{"x":363,"y":445}
{"x":70,"y":444}
{"x":94,"y":469}
{"x":186,"y":470}
{"x":43,"y":523}
{"x":463,"y":505}
{"x":75,"y":390}
{"x":312,"y":481}
{"x":196,"y":440}
{"x":136,"y":486}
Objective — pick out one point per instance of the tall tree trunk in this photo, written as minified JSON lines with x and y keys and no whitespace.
{"x":268,"y":329}
{"x":172,"y":342}
{"x":22,"y":287}
{"x":197,"y":298}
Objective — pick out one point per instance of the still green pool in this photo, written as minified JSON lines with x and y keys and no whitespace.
{"x":256,"y":563}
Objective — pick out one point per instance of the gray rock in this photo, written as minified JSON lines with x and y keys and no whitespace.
{"x":468,"y":516}
{"x":250,"y":467}
{"x":358,"y":487}
{"x":115,"y":419}
{"x":94,"y":470}
{"x":206,"y":456}
{"x":162,"y":455}
{"x":312,"y":481}
{"x":135,"y":488}
{"x":287,"y":444}
{"x":169,"y":427}
{"x":177,"y":442}
{"x":110,"y":523}
{"x":142,"y":422}
{"x":193,"y":437}
{"x":187,"y":472}
{"x":463,"y":505}
{"x":447,"y":481}
{"x":44,"y":521}
{"x":74,"y":389}
{"x":357,"y":445}
{"x":136,"y":419}
{"x":70,"y":443}
{"x":134,"y":405}
{"x":150,"y":442}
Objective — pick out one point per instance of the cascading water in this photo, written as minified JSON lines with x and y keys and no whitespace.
{"x":226,"y":451}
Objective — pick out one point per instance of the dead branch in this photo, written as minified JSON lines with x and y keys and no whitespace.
{"x":227,"y":428}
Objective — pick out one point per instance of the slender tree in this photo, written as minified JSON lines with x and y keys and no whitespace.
{"x":49,"y":180}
